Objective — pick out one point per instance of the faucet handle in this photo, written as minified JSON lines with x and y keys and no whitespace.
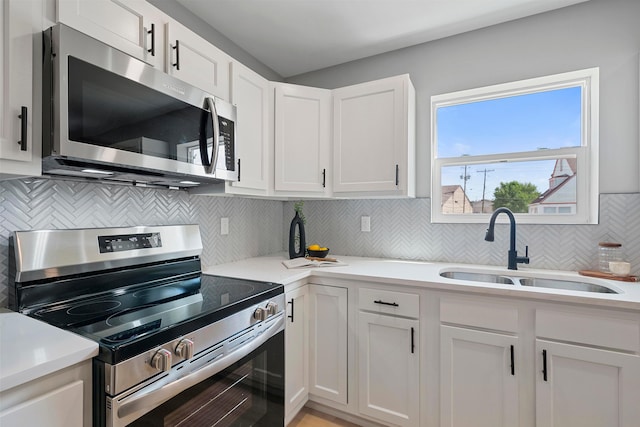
{"x":523,"y":259}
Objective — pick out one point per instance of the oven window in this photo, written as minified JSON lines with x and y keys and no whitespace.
{"x":248,"y":393}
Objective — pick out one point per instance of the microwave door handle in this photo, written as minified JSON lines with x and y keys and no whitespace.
{"x":211,"y":167}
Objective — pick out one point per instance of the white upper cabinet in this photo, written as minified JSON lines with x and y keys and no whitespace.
{"x":21,"y":21}
{"x":134,"y":27}
{"x":374,"y":138}
{"x":196,"y":61}
{"x":250,"y":94}
{"x":302,"y":139}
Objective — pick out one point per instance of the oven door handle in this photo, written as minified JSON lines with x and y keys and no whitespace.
{"x":144,"y":400}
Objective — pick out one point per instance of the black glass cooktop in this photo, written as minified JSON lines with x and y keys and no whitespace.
{"x":127,"y":323}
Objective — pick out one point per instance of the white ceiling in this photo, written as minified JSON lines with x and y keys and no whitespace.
{"x":296,"y":36}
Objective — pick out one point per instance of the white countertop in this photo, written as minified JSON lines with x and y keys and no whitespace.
{"x":30,"y":349}
{"x":427,"y":275}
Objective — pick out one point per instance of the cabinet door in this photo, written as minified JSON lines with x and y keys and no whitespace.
{"x":302,"y":138}
{"x":374,"y":137}
{"x":586,"y":387}
{"x":388,"y":365}
{"x":59,"y":408}
{"x":196,"y":61}
{"x":132,"y":26}
{"x":328,"y":342}
{"x":478,"y":378}
{"x":20,"y":21}
{"x":296,"y":336}
{"x":250,"y":94}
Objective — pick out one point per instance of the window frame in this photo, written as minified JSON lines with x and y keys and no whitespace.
{"x":586,"y":154}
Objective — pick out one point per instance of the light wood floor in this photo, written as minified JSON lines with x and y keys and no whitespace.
{"x":308,"y":417}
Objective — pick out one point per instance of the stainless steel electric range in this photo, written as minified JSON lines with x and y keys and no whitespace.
{"x":177,"y":348}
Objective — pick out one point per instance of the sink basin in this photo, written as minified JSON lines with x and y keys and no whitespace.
{"x":477,"y":277}
{"x":566,"y":284}
{"x":536,"y":282}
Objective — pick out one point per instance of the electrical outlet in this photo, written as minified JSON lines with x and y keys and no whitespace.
{"x":365,"y":224}
{"x":224,"y":226}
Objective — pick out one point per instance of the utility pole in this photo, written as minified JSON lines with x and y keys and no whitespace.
{"x":484,"y":185}
{"x":465,"y":178}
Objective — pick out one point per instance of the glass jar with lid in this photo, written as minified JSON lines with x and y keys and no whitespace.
{"x":607,"y":252}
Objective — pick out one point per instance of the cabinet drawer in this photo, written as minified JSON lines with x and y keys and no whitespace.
{"x":480,"y":314}
{"x":389,"y":302}
{"x":592,"y":328}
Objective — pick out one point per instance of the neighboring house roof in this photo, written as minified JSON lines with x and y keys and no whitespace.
{"x":450,"y":189}
{"x":547,"y":195}
{"x":573,"y":167}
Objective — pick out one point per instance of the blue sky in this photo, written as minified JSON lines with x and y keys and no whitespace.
{"x":549,"y":119}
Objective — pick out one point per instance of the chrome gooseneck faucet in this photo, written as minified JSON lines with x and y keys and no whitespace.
{"x":514,"y":259}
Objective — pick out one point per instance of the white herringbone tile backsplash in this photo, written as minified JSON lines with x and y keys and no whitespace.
{"x":399,"y":228}
{"x":255,"y":226}
{"x":402,"y":229}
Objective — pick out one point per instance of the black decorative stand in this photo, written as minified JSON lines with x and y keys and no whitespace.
{"x":296,"y":222}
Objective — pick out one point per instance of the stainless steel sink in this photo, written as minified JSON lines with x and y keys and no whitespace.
{"x":477,"y":277}
{"x":565,"y":284}
{"x":535,"y":282}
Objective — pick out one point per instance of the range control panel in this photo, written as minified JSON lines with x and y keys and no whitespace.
{"x":129,"y":242}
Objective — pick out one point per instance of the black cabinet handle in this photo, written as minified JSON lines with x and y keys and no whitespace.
{"x":23,"y":128}
{"x":238,"y":170}
{"x":152,"y":33}
{"x":324,"y":177}
{"x":393,"y":304}
{"x":544,"y":365}
{"x":513,"y":363}
{"x":413,"y":343}
{"x":177,"y":49}
{"x":291,"y":315}
{"x":397,"y":175}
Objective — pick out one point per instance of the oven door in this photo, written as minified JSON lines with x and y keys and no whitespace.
{"x":243,"y":388}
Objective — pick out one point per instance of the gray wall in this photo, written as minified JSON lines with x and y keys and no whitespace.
{"x":602,"y":33}
{"x":255,"y":226}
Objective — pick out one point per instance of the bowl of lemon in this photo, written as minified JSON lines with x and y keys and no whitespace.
{"x":317,"y":251}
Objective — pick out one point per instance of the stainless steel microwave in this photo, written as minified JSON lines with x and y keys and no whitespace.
{"x":110,"y":117}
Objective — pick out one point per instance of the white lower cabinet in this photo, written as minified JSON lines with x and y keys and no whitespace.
{"x":58,"y":408}
{"x":478,"y":378}
{"x":520,"y":363}
{"x":296,"y":342}
{"x":389,"y":368}
{"x":586,"y":387}
{"x":484,"y":361}
{"x":328,"y":342}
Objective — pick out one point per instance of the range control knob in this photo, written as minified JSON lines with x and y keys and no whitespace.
{"x":161,"y":360}
{"x":260,"y":314}
{"x":184,"y":349}
{"x":272,"y":308}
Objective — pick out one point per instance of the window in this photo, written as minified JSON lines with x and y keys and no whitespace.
{"x":530,"y":145}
